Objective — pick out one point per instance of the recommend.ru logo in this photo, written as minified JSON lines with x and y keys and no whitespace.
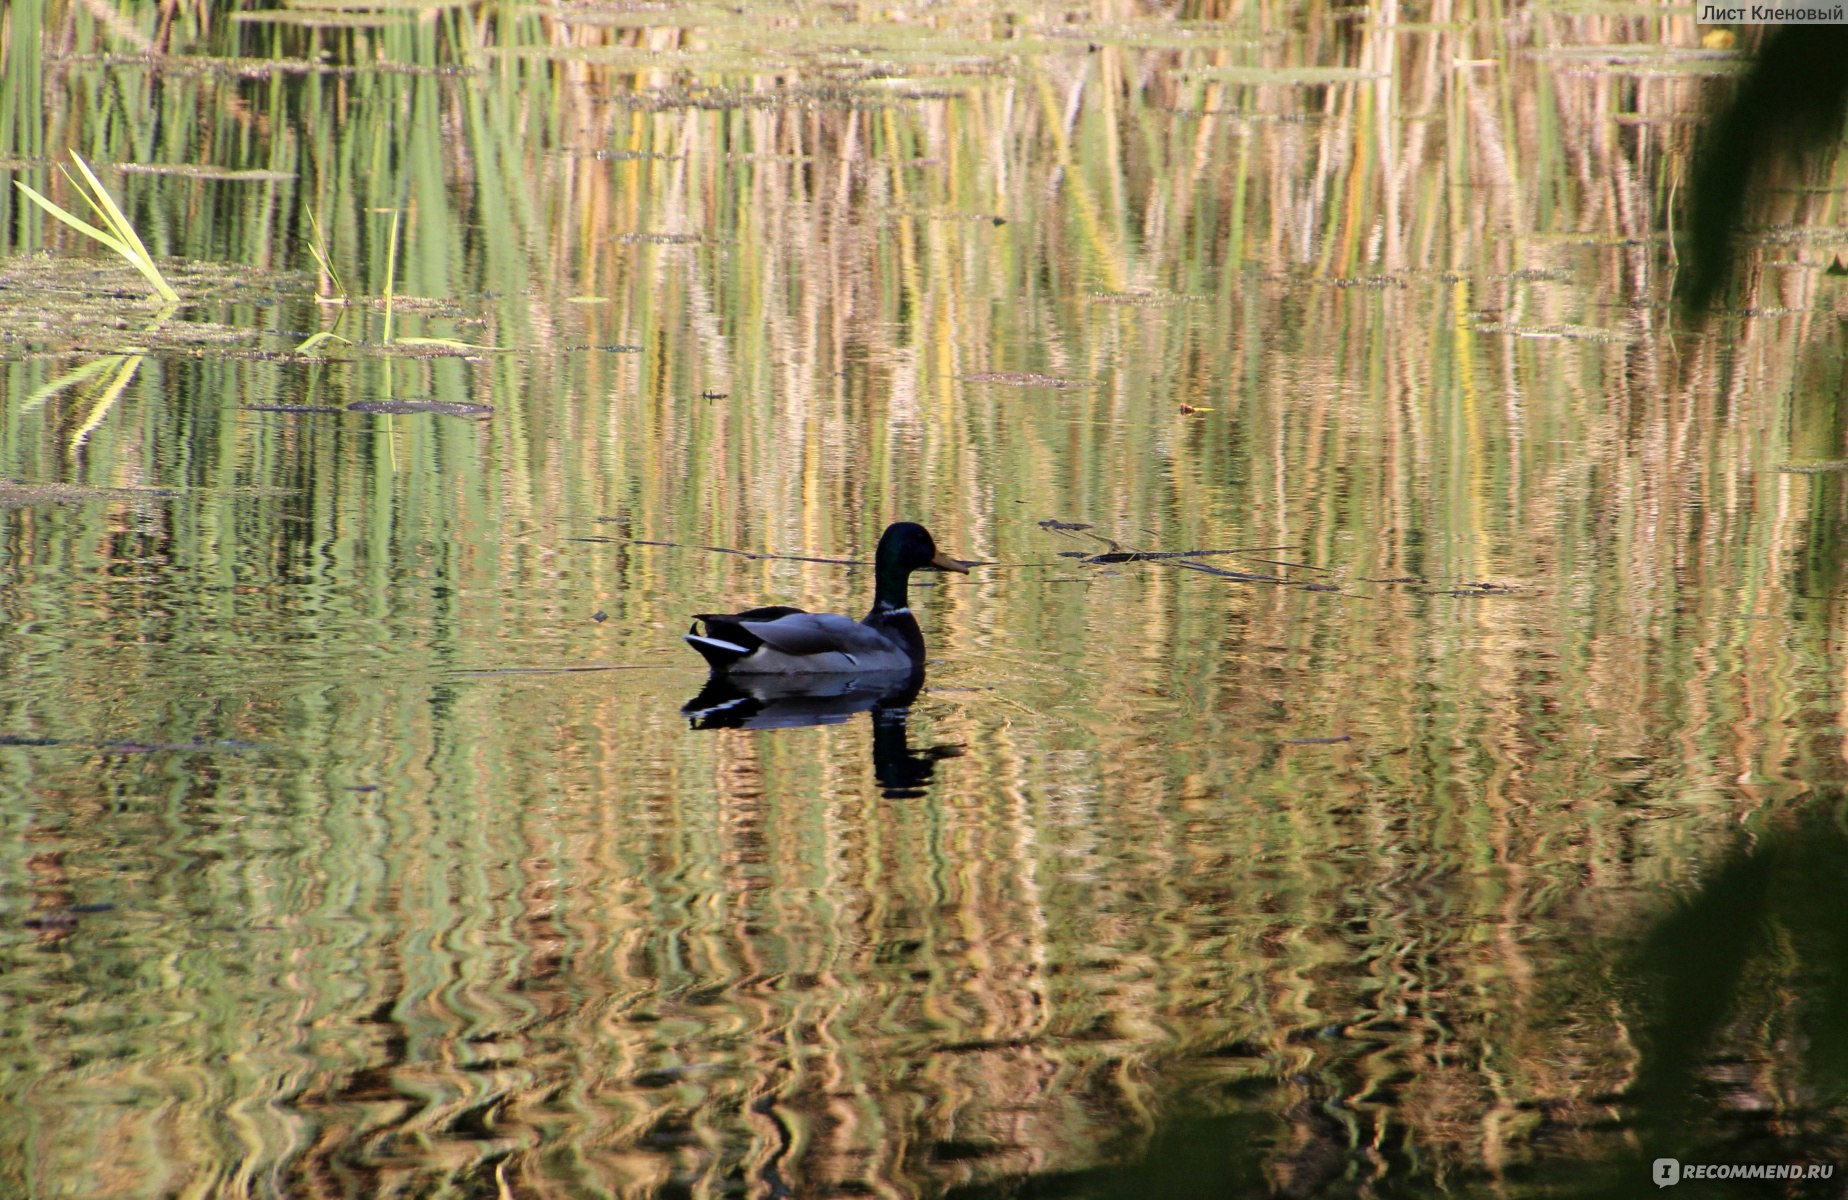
{"x":1669,"y":1171}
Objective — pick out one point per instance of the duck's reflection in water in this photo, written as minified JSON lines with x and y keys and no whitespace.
{"x":789,"y":701}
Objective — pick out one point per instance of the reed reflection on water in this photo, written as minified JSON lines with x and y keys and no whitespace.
{"x":1389,"y":607}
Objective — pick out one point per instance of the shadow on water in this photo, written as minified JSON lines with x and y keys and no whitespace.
{"x":792,"y":702}
{"x":1762,"y":942}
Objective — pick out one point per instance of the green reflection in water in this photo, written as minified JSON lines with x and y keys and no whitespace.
{"x":328,"y":870}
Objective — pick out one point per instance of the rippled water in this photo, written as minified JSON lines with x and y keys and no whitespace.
{"x":355,"y":842}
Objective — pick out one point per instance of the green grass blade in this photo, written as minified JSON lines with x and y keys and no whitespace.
{"x":445,"y":343}
{"x":391,"y":272}
{"x":120,"y":237}
{"x":118,"y":220}
{"x":102,"y":214}
{"x":315,"y":339}
{"x":323,"y":252}
{"x":144,"y":262}
{"x":74,"y":221}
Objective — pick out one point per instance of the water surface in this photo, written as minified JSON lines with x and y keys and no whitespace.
{"x":355,"y":842}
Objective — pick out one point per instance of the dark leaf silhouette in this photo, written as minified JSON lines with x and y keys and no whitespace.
{"x":1791,"y":101}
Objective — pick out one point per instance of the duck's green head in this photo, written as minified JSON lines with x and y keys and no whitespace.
{"x":907,"y":546}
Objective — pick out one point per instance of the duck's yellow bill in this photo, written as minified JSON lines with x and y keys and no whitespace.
{"x":944,"y":562}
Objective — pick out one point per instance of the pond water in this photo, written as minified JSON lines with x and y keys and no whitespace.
{"x":355,"y":841}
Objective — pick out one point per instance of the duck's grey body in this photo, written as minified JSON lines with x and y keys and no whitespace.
{"x":788,"y":641}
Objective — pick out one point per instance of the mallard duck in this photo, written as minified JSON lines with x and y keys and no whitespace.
{"x":787,"y":641}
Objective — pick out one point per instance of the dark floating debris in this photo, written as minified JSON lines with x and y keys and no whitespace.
{"x":293,"y":408}
{"x":630,"y":156}
{"x":1117,"y":556}
{"x":1536,"y":275}
{"x":128,"y":746}
{"x":599,"y":616}
{"x":222,"y":745}
{"x":752,"y":554}
{"x":1025,"y":379}
{"x":62,"y":921}
{"x":445,"y":408}
{"x":664,"y":1076}
{"x":15,"y":493}
{"x":191,"y":171}
{"x":1476,"y":589}
{"x":1319,"y":741}
{"x":1222,"y":573}
{"x":1187,"y":559}
{"x":1141,"y":298}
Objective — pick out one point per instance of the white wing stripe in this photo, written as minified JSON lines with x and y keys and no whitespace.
{"x":721,"y":643}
